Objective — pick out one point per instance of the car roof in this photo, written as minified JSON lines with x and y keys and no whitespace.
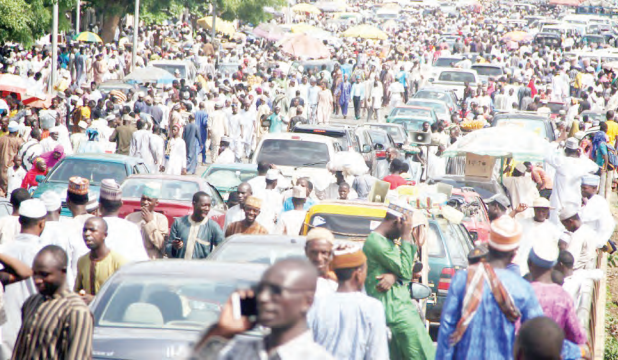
{"x":117,"y":158}
{"x":413,"y":107}
{"x":427,"y":100}
{"x":266,"y":239}
{"x":172,"y":62}
{"x":520,"y":115}
{"x":299,"y":136}
{"x":334,"y":127}
{"x":234,"y":166}
{"x":434,"y":89}
{"x":486,"y":65}
{"x":192,"y":268}
{"x":164,"y":177}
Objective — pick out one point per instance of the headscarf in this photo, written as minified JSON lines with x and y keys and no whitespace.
{"x":49,"y":158}
{"x":599,"y":137}
{"x":92,"y":134}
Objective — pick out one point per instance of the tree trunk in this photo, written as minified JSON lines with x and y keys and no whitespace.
{"x":110,"y":23}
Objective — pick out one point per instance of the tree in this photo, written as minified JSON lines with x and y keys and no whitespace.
{"x":24,"y":21}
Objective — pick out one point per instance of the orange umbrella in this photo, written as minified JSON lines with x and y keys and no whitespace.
{"x":304,"y":45}
{"x":517,"y":36}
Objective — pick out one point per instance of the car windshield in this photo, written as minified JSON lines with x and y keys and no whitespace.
{"x":294,"y":153}
{"x":445,"y":62}
{"x":91,"y":169}
{"x":392,"y":130}
{"x":165,"y":302}
{"x":171,"y":68}
{"x":556,"y":107}
{"x":457,"y":76}
{"x":170,"y":189}
{"x":229,"y":178}
{"x":435,"y":95}
{"x":457,"y":241}
{"x":379,"y":137}
{"x":536,"y":126}
{"x":411,"y":112}
{"x":439,"y":108}
{"x":411,"y":125}
{"x":256,"y":253}
{"x":488,"y":70}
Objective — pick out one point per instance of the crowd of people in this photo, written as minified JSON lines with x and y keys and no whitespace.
{"x":519,"y":295}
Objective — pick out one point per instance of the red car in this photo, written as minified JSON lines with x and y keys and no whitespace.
{"x":475,"y":219}
{"x":176,"y":196}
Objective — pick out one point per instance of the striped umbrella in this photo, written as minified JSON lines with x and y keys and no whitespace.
{"x":13,"y":83}
{"x":87,"y":36}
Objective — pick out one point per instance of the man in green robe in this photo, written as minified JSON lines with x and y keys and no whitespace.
{"x":194,"y":236}
{"x":390,"y":258}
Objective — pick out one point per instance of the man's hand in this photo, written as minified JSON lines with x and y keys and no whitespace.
{"x":177,"y":244}
{"x":521,"y":208}
{"x":406,"y":227}
{"x":148,"y":216}
{"x":183,"y":172}
{"x":386,"y":282}
{"x":162,"y":168}
{"x":228,"y":326}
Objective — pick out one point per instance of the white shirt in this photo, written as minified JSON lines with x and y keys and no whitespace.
{"x":531,"y":232}
{"x":56,"y":233}
{"x":15,"y":178}
{"x":125,"y":238}
{"x":48,"y":144}
{"x":177,"y":158}
{"x":9,"y":229}
{"x":596,"y":214}
{"x":582,"y":246}
{"x":290,"y":222}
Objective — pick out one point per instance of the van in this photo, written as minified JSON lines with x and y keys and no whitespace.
{"x":186,"y":68}
{"x":343,"y":134}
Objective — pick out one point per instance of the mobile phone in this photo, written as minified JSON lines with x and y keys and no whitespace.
{"x":243,"y":307}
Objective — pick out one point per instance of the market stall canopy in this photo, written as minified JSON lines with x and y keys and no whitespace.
{"x":306,"y":8}
{"x":14,"y":84}
{"x":150,"y":74}
{"x":517,"y":36}
{"x":366,"y":32}
{"x":331,"y":6}
{"x":221,"y":26}
{"x":306,"y":46}
{"x":270,"y":32}
{"x":501,"y":141}
{"x":87,"y":36}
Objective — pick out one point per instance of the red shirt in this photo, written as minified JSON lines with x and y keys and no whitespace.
{"x":395,"y":181}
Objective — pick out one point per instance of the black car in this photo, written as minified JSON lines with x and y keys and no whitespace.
{"x":344,"y":135}
{"x":158,"y":309}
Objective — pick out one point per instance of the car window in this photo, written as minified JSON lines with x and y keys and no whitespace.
{"x":435,"y":95}
{"x":455,"y":242}
{"x":171,"y":68}
{"x":457,"y":76}
{"x":434,"y":242}
{"x":186,"y":303}
{"x":93,"y":170}
{"x":170,"y":189}
{"x":256,"y":253}
{"x":401,"y":111}
{"x":488,"y":70}
{"x":536,"y":126}
{"x":294,"y":153}
{"x":445,"y":62}
{"x":437,"y":107}
{"x":411,"y":125}
{"x":346,"y":226}
{"x":229,"y":178}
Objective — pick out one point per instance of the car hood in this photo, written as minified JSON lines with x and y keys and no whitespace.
{"x":137,"y":344}
{"x":61,"y":189}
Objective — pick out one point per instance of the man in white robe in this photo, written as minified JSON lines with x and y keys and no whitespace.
{"x":237,"y":213}
{"x":175,"y":158}
{"x":595,"y":210}
{"x":141,"y":146}
{"x":522,"y":190}
{"x":235,"y":133}
{"x":582,"y":240}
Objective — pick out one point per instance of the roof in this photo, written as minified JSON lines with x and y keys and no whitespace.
{"x":163,"y":177}
{"x":343,"y":207}
{"x":520,"y":115}
{"x":299,"y":136}
{"x":235,"y":166}
{"x":413,"y":107}
{"x":333,"y":127}
{"x":426,"y":100}
{"x":106,"y":157}
{"x":193,"y":268}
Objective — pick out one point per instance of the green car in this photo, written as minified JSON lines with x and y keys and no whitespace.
{"x":94,"y":167}
{"x":226,"y":177}
{"x":412,"y":117}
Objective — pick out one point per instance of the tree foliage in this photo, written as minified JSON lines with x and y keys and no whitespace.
{"x":246,"y":10}
{"x":24,"y":21}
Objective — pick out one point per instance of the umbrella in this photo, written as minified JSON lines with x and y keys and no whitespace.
{"x":366,"y":32}
{"x":517,"y":36}
{"x":305,"y":46}
{"x":303,"y":28}
{"x":269,"y":32}
{"x":13,"y":83}
{"x":306,"y":8}
{"x":509,"y":140}
{"x":221,"y":26}
{"x":88,"y":36}
{"x":331,"y":6}
{"x":38,"y":102}
{"x":150,"y":74}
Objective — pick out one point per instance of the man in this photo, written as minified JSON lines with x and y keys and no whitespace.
{"x":290,"y":222}
{"x":141,"y":147}
{"x":49,"y":143}
{"x":521,"y":189}
{"x":95,"y":267}
{"x":24,"y":248}
{"x":535,"y":229}
{"x":539,"y":338}
{"x":175,"y":158}
{"x":583,"y":239}
{"x":201,"y":119}
{"x":248,"y":225}
{"x":358,"y":96}
{"x":123,"y":236}
{"x":486,"y":301}
{"x":288,"y":205}
{"x":595,"y":210}
{"x":13,"y":271}
{"x":9,"y":225}
{"x":543,"y":181}
{"x":497,"y":206}
{"x":600,"y":155}
{"x":236,"y":213}
{"x":152,"y":224}
{"x":31,"y":149}
{"x":57,"y":323}
{"x":217,"y":128}
{"x":258,"y":183}
{"x":191,"y":137}
{"x":557,"y":304}
{"x":9,"y":146}
{"x":283,"y":296}
{"x":312,"y":100}
{"x":277,"y":121}
{"x":194,"y":236}
{"x":348,"y":323}
{"x":389,"y":272}
{"x":319,"y":250}
{"x":382,"y":167}
{"x":123,"y":135}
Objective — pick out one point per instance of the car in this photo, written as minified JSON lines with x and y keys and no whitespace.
{"x":440,"y":107}
{"x":476,"y":218}
{"x":457,"y":80}
{"x":487,"y":71}
{"x":226,"y":177}
{"x":486,"y":188}
{"x":109,"y":85}
{"x":343,"y":133}
{"x":532,"y":121}
{"x":593,"y":116}
{"x":227,"y":69}
{"x":176,"y":195}
{"x":589,"y":39}
{"x":412,"y":118}
{"x":258,"y":249}
{"x":94,"y":167}
{"x":443,"y":62}
{"x":556,"y":107}
{"x":6,"y":208}
{"x":186,"y":68}
{"x":158,"y":309}
{"x":381,"y":141}
{"x":448,"y":96}
{"x":548,"y":39}
{"x":396,"y":131}
{"x":366,"y":145}
{"x":448,"y":243}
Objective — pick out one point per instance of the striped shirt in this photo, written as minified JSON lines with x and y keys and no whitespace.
{"x":56,"y":327}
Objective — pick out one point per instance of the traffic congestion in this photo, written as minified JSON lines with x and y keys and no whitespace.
{"x":347,"y":180}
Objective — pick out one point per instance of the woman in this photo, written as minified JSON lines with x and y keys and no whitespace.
{"x":51,"y":158}
{"x":39,"y":168}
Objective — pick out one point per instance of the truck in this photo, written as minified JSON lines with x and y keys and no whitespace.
{"x":457,"y":80}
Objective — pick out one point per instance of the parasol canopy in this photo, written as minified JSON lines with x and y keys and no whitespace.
{"x":221,"y":26}
{"x":87,"y":36}
{"x":366,"y":32}
{"x":270,"y":32}
{"x":304,"y":28}
{"x":13,"y":83}
{"x":304,"y":45}
{"x":508,"y":140}
{"x":150,"y":74}
{"x":517,"y":36}
{"x":306,"y":8}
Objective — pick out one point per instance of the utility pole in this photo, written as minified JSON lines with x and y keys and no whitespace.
{"x":214,"y":17}
{"x":135,"y":33}
{"x":54,"y":63}
{"x":77,"y":16}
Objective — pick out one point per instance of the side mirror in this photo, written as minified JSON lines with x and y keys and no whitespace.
{"x":378,"y":147}
{"x":366,"y":148}
{"x":386,"y":116}
{"x":419,"y":291}
{"x":430,"y":80}
{"x":39,"y":178}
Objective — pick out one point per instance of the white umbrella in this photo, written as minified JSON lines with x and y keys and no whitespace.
{"x":501,"y":141}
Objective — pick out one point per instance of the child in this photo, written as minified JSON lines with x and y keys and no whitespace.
{"x":16,"y":175}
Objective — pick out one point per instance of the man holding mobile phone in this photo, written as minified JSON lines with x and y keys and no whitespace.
{"x":283,"y":296}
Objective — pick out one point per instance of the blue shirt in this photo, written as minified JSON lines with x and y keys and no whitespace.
{"x":288,"y":205}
